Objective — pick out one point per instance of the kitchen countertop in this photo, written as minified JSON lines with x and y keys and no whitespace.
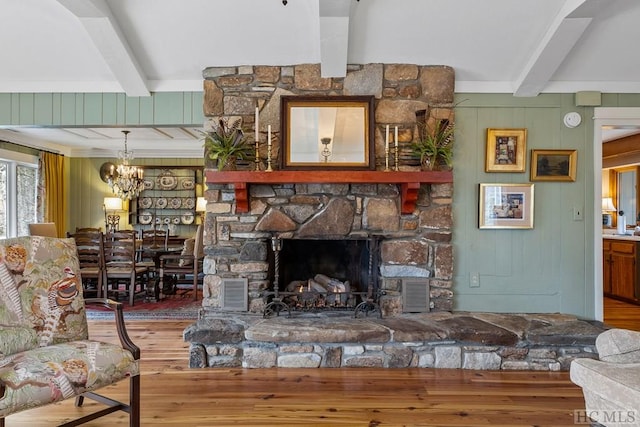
{"x":611,"y":234}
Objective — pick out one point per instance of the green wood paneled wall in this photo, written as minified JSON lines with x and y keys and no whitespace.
{"x":548,"y":268}
{"x":93,"y":109}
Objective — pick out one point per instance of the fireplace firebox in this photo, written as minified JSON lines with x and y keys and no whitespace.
{"x":323,"y":275}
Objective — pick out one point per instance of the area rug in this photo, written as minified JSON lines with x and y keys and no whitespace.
{"x":171,"y":307}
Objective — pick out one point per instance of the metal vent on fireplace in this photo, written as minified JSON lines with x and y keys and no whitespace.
{"x":415,"y":295}
{"x":234,"y":294}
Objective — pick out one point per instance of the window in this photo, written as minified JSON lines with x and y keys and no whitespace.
{"x":18,"y":193}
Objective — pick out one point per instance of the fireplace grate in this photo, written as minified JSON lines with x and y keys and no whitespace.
{"x":415,"y":295}
{"x":234,"y":294}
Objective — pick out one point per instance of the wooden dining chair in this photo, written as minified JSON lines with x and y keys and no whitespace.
{"x":185,"y":267}
{"x":89,"y":245}
{"x":119,"y":249}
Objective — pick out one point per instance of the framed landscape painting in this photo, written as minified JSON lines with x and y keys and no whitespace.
{"x":553,"y":165}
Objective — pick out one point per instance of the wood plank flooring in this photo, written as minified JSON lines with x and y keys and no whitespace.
{"x":621,"y":314}
{"x":174,"y":395}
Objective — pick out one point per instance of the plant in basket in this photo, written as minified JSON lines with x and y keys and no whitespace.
{"x":226,"y":144}
{"x":434,"y":146}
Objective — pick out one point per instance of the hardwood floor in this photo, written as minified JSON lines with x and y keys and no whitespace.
{"x":621,"y":314}
{"x":174,"y":395}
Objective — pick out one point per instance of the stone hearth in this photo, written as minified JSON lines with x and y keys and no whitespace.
{"x":431,"y":340}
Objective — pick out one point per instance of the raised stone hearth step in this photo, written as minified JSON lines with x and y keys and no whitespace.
{"x":311,"y":329}
{"x":441,"y":340}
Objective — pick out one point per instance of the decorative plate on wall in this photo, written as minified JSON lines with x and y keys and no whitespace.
{"x":146,"y":202}
{"x":167,"y":181}
{"x":187,"y":218}
{"x":175,"y":203}
{"x":145,"y":218}
{"x":108,"y":170}
{"x":161,"y":202}
{"x":176,"y":220}
{"x":148,"y":184}
{"x":188,"y":203}
{"x":188,"y":184}
{"x":166,"y":220}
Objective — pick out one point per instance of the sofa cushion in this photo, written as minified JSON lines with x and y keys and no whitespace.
{"x":14,"y":339}
{"x":619,"y":346}
{"x":56,"y":372}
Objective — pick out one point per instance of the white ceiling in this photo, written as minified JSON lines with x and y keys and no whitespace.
{"x":521,"y":47}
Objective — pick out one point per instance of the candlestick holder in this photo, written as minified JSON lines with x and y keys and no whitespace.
{"x":397,"y":151}
{"x":386,"y":159}
{"x":269,"y":169}
{"x":257,"y":159}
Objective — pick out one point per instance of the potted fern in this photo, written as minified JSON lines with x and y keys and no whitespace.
{"x":226,"y":144}
{"x":434,"y":147}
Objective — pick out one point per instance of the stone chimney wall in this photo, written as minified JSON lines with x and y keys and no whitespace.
{"x":412,"y":245}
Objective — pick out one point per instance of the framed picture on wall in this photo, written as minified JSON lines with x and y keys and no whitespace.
{"x":506,"y":206}
{"x":506,"y":150}
{"x":553,"y":165}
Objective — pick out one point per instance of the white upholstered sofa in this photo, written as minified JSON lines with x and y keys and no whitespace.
{"x":611,"y":385}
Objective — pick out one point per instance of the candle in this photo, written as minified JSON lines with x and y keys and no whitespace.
{"x":257,"y":124}
{"x":386,"y":140}
{"x":269,"y":136}
{"x":396,"y":136}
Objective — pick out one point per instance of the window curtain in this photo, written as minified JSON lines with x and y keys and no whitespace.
{"x":51,"y":198}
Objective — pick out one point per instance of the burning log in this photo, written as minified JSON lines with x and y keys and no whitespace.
{"x":334,"y":286}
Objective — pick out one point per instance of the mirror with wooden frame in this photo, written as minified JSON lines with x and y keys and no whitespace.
{"x":327,"y":132}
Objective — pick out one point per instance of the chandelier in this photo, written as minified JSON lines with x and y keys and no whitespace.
{"x":126,"y":181}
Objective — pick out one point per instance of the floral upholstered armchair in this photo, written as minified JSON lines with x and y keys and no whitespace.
{"x":45,"y":353}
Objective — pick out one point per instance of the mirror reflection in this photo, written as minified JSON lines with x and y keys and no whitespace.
{"x":327,"y":132}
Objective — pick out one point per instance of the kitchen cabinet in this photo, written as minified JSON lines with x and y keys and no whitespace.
{"x":621,"y":271}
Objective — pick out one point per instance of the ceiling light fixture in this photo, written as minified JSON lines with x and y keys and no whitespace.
{"x":126,"y":181}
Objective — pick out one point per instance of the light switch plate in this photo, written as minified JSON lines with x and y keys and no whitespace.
{"x":578,"y":215}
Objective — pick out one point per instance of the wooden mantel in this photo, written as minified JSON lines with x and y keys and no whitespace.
{"x":408,"y":181}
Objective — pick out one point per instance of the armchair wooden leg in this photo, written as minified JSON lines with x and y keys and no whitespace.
{"x":134,"y":396}
{"x":79,"y":400}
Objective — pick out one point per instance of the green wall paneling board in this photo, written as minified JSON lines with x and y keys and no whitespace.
{"x":100,"y":109}
{"x":542,"y":269}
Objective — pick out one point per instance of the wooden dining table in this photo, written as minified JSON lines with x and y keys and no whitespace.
{"x":155,"y":252}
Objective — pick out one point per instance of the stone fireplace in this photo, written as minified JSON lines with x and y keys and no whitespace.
{"x":410,"y":220}
{"x":416,"y":245}
{"x":400,"y":220}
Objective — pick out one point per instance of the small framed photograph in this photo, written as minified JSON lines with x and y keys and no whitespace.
{"x":506,"y":150}
{"x":506,"y":206}
{"x":553,"y":165}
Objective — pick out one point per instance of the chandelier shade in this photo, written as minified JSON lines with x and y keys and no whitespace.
{"x":125,"y":180}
